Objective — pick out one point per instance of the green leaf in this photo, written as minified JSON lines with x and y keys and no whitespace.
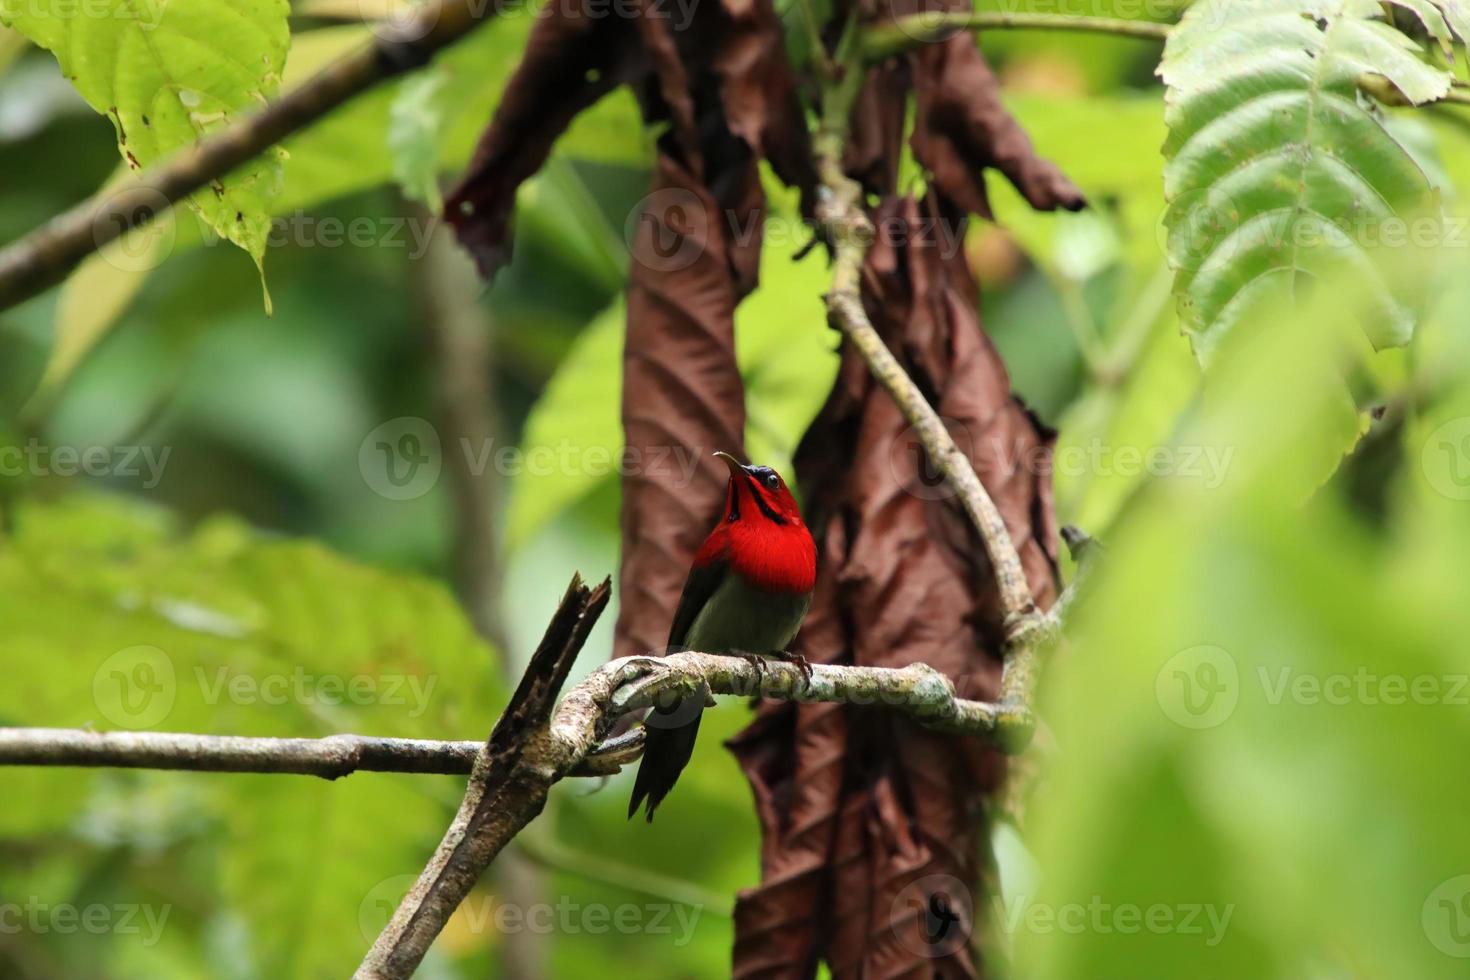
{"x":167,"y":75}
{"x":1447,"y":21}
{"x":414,"y":123}
{"x":1430,"y":14}
{"x":12,"y":43}
{"x":144,"y":628}
{"x":96,"y":294}
{"x":115,"y":618}
{"x":1259,"y":657}
{"x":1280,"y":172}
{"x":345,"y":153}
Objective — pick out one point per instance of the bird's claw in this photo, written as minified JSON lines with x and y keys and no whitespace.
{"x":801,"y":663}
{"x":755,"y":660}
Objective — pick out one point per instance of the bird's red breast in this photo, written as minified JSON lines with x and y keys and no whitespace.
{"x":762,"y":536}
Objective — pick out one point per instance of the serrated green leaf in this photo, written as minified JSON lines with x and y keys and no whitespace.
{"x":1432,"y":17}
{"x":1279,"y":171}
{"x":339,"y":155}
{"x":1447,"y":21}
{"x":167,"y":74}
{"x":100,"y":290}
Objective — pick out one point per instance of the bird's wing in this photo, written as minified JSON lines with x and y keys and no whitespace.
{"x":702,"y":582}
{"x":672,"y":729}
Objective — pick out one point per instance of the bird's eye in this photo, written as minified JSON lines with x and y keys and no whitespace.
{"x":773,"y":481}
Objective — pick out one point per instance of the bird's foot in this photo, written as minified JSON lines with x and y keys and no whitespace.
{"x":801,"y":663}
{"x":756,"y":661}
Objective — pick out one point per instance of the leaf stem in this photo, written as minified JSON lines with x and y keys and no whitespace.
{"x":904,"y":33}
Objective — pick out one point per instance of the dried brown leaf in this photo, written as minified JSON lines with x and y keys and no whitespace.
{"x":721,"y":81}
{"x":868,"y":821}
{"x":682,"y":398}
{"x":573,"y":57}
{"x":961,"y":128}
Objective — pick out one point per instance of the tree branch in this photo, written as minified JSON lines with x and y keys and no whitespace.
{"x":507,"y":790}
{"x":846,"y":226}
{"x":330,"y":758}
{"x":918,"y":691}
{"x":529,"y":750}
{"x":45,"y":256}
{"x":884,"y":40}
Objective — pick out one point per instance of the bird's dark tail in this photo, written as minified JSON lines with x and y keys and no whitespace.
{"x":667,"y":747}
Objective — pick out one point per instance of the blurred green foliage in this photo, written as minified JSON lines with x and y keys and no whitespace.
{"x":1195,"y":772}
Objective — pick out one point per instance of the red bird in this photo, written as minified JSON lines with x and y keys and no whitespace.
{"x":747,"y":593}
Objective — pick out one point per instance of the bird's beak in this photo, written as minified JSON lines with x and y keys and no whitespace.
{"x":732,"y":463}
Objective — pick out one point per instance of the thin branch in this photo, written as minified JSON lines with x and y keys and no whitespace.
{"x":1085,"y":551}
{"x":905,"y":33}
{"x":506,"y":791}
{"x":330,"y":758}
{"x":847,"y":227}
{"x":917,"y":690}
{"x":45,"y":256}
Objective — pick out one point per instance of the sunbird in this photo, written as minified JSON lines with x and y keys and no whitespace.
{"x":747,"y":593}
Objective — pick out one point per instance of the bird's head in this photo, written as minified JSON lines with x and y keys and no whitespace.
{"x":758,"y":493}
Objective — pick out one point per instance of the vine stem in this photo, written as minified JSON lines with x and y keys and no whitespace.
{"x":882,"y":41}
